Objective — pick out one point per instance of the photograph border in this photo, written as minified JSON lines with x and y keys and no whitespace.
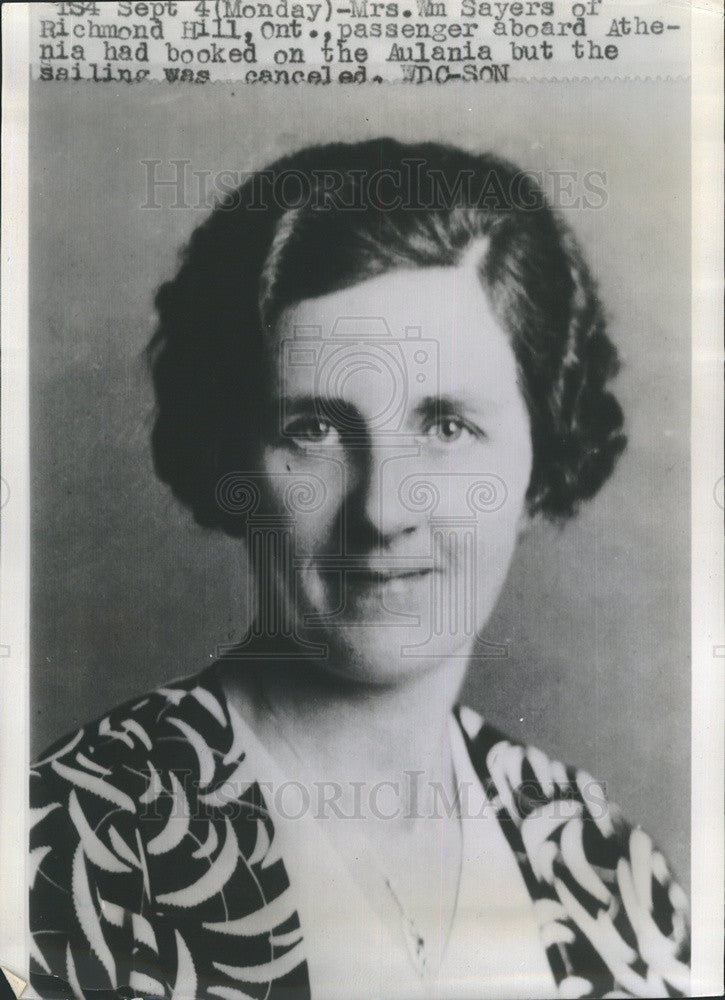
{"x":708,"y":638}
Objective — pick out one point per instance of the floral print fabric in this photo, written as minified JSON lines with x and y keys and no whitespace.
{"x":154,"y":870}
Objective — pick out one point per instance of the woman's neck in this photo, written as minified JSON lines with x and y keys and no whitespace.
{"x":346,"y":731}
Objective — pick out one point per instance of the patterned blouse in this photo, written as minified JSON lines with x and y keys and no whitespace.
{"x":154,"y":871}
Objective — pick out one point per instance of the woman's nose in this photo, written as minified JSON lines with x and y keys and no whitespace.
{"x":383,"y":468}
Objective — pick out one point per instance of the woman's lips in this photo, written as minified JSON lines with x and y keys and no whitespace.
{"x":409,"y":587}
{"x":387,"y":575}
{"x":389,"y":580}
{"x":360,"y":576}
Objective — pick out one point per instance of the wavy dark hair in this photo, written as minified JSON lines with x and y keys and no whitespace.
{"x":331,"y":216}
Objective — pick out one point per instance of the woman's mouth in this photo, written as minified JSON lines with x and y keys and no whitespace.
{"x":364,"y":579}
{"x":390,"y":580}
{"x":383,"y":576}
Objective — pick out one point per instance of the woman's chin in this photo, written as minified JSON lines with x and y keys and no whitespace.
{"x":382,"y":632}
{"x":388,"y":653}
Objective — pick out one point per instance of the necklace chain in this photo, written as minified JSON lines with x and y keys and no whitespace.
{"x":414,"y":939}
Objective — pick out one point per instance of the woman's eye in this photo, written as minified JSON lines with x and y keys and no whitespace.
{"x":449,"y":429}
{"x":311,"y":430}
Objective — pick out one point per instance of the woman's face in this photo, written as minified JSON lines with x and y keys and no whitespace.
{"x":399,"y":454}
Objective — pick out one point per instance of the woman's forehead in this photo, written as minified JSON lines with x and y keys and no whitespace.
{"x":448,"y":305}
{"x":386,"y":304}
{"x":429,"y":331}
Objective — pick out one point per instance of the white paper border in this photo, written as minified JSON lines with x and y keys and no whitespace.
{"x":708,"y":596}
{"x":15,"y":540}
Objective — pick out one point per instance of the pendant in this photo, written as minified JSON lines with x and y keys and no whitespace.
{"x":416,"y":948}
{"x":414,"y":940}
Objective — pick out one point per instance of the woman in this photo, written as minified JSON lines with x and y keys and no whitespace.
{"x":375,"y":365}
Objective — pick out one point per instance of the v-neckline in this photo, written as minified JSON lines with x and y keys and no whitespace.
{"x":460,"y":954}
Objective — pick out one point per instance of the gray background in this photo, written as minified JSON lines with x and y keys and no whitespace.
{"x":127,"y":592}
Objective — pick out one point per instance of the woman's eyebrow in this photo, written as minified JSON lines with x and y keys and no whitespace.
{"x":431,"y":406}
{"x":331,"y":407}
{"x":300,"y":400}
{"x":311,"y":401}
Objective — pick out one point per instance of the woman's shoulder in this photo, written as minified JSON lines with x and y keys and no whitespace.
{"x":604,"y":892}
{"x":525,"y":777}
{"x":155,"y":727}
{"x":181,"y":740}
{"x":151,"y":766}
{"x":145,"y":815}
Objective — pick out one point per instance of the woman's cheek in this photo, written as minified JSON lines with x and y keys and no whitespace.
{"x":315,"y":531}
{"x":308,"y":490}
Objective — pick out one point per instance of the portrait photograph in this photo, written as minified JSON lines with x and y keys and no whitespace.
{"x":360,"y":462}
